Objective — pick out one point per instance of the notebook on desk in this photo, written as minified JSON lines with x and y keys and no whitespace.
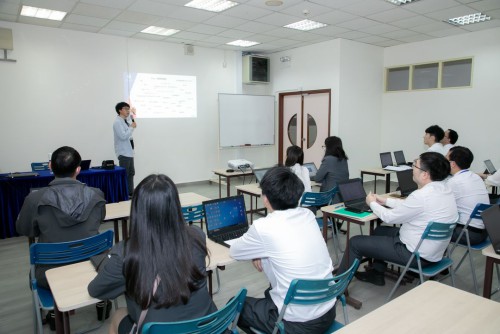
{"x":85,"y":165}
{"x":311,"y":167}
{"x":353,"y":195}
{"x":406,"y":183}
{"x":489,"y":167}
{"x":225,"y":219}
{"x":491,"y":220}
{"x":400,"y":159}
{"x":386,"y":159}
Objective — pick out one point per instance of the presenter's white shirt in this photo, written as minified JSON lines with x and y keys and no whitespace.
{"x":290,"y":245}
{"x":438,"y":148}
{"x":432,"y":203}
{"x":303,"y":174}
{"x":493,"y":180}
{"x":469,"y":190}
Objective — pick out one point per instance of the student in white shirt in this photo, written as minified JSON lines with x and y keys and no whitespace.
{"x":469,"y":190}
{"x":432,"y":138}
{"x":433,"y":201}
{"x":491,"y":179}
{"x":294,"y":161}
{"x":286,"y":244}
{"x":449,"y":140}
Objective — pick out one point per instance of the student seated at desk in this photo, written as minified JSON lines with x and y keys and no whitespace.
{"x":163,"y":257}
{"x":294,"y":161}
{"x":333,"y":168}
{"x":433,"y":201}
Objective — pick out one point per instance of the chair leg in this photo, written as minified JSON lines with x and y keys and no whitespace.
{"x":452,"y":276}
{"x":397,"y":283}
{"x":218,"y":281}
{"x":37,"y":317}
{"x":462,"y":260}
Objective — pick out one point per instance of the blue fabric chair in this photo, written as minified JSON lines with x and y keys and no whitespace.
{"x":38,"y":166}
{"x":59,"y":254}
{"x":434,"y":231}
{"x":193,"y":213}
{"x":215,"y":323}
{"x":475,"y":214}
{"x":310,"y":292}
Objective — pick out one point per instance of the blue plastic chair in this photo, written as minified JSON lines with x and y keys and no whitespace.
{"x":215,"y":323}
{"x":193,"y":213}
{"x":59,"y":254}
{"x":475,"y":214}
{"x":311,"y":292}
{"x":39,"y":166}
{"x":434,"y":231}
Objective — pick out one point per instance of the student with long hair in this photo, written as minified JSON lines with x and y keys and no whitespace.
{"x":334,"y":166}
{"x":294,"y":161}
{"x":160,"y":267}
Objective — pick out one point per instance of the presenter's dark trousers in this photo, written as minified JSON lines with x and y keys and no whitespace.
{"x":261,"y":314}
{"x":383,"y":245}
{"x":128,"y":164}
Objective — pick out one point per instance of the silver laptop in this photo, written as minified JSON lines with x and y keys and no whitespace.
{"x":259,"y":173}
{"x":489,"y":167}
{"x":311,"y":167}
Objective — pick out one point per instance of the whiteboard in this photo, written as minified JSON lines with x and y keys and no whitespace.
{"x":246,"y":120}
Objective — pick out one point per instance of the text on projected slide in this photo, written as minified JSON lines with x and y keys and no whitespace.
{"x":163,"y":96}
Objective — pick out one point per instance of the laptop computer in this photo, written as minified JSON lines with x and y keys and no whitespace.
{"x":406,"y":183}
{"x":259,"y":173}
{"x":386,"y":159}
{"x":489,"y":167}
{"x":491,"y":220}
{"x":353,"y":194}
{"x":225,"y":219}
{"x":399,"y":156}
{"x":311,"y":167}
{"x":85,"y":165}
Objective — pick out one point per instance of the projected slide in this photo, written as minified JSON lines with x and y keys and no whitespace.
{"x":162,"y":96}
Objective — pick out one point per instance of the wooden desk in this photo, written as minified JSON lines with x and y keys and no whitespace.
{"x":121,"y":211}
{"x":69,"y":283}
{"x":378,"y":172}
{"x":491,"y":259}
{"x":223,"y":173}
{"x":431,"y":308}
{"x":254,"y":191}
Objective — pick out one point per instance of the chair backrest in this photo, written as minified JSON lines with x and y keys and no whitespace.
{"x":318,"y":198}
{"x":214,"y":323}
{"x":71,"y":251}
{"x":309,"y":292}
{"x":38,"y":166}
{"x":438,"y":231}
{"x":193,"y":212}
{"x":476,"y":213}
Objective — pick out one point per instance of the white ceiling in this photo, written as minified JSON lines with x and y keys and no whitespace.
{"x":374,"y":22}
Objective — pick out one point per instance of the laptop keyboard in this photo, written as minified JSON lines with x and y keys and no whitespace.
{"x":228,"y":236}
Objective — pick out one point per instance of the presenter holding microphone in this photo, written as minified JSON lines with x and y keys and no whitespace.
{"x":123,"y":128}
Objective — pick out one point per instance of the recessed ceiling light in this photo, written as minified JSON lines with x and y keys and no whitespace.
{"x":242,"y":43}
{"x":468,"y":19}
{"x":43,"y":13}
{"x":305,"y":25}
{"x":212,"y":5}
{"x":159,"y":31}
{"x":274,"y":3}
{"x":400,"y":2}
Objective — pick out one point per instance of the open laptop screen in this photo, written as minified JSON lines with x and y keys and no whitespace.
{"x":400,"y":158}
{"x":489,"y":166}
{"x":225,"y":212}
{"x":311,"y":167}
{"x":352,"y":190}
{"x":406,"y":183}
{"x":386,"y":159}
{"x":259,"y":173}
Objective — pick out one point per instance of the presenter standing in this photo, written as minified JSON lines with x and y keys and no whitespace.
{"x":123,"y":128}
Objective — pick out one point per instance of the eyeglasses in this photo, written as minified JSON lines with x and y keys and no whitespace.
{"x":415,"y":165}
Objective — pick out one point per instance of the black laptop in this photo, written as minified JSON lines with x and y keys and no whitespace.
{"x":406,"y":183}
{"x":226,"y":219}
{"x":259,"y":173}
{"x":489,"y":167}
{"x":85,"y":165}
{"x":399,"y":156}
{"x":491,"y":220}
{"x":386,"y":159}
{"x":311,"y":167}
{"x":353,"y":194}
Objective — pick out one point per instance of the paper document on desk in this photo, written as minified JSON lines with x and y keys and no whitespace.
{"x":397,"y":168}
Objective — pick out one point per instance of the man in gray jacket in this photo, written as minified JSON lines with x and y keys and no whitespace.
{"x":66,"y":210}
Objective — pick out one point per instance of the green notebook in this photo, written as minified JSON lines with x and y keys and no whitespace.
{"x":343,"y":211}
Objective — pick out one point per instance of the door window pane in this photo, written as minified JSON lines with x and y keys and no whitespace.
{"x":292,"y":130}
{"x":425,"y":76}
{"x":457,"y":73}
{"x":312,"y":131}
{"x":398,"y":78}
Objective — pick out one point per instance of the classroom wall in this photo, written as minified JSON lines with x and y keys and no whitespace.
{"x":472,"y":112}
{"x":63,"y":88}
{"x":353,"y":72}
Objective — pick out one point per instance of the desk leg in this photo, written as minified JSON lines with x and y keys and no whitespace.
{"x":115,"y":227}
{"x":62,"y":321}
{"x":220,"y":186}
{"x":488,"y":277}
{"x":124,"y":229}
{"x":325,"y":226}
{"x":388,"y":183}
{"x":251,"y":210}
{"x":228,"y":186}
{"x":209,"y":274}
{"x":349,"y":300}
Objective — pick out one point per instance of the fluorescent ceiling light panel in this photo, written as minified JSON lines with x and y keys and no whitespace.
{"x":43,"y":13}
{"x":212,"y":5}
{"x":468,"y":19}
{"x":242,"y":43}
{"x":159,"y":31}
{"x":400,"y":2}
{"x":306,"y":25}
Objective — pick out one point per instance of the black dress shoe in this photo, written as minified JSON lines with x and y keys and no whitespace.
{"x":372,"y":277}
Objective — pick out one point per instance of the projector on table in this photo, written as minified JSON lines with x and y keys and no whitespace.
{"x":239,"y":164}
